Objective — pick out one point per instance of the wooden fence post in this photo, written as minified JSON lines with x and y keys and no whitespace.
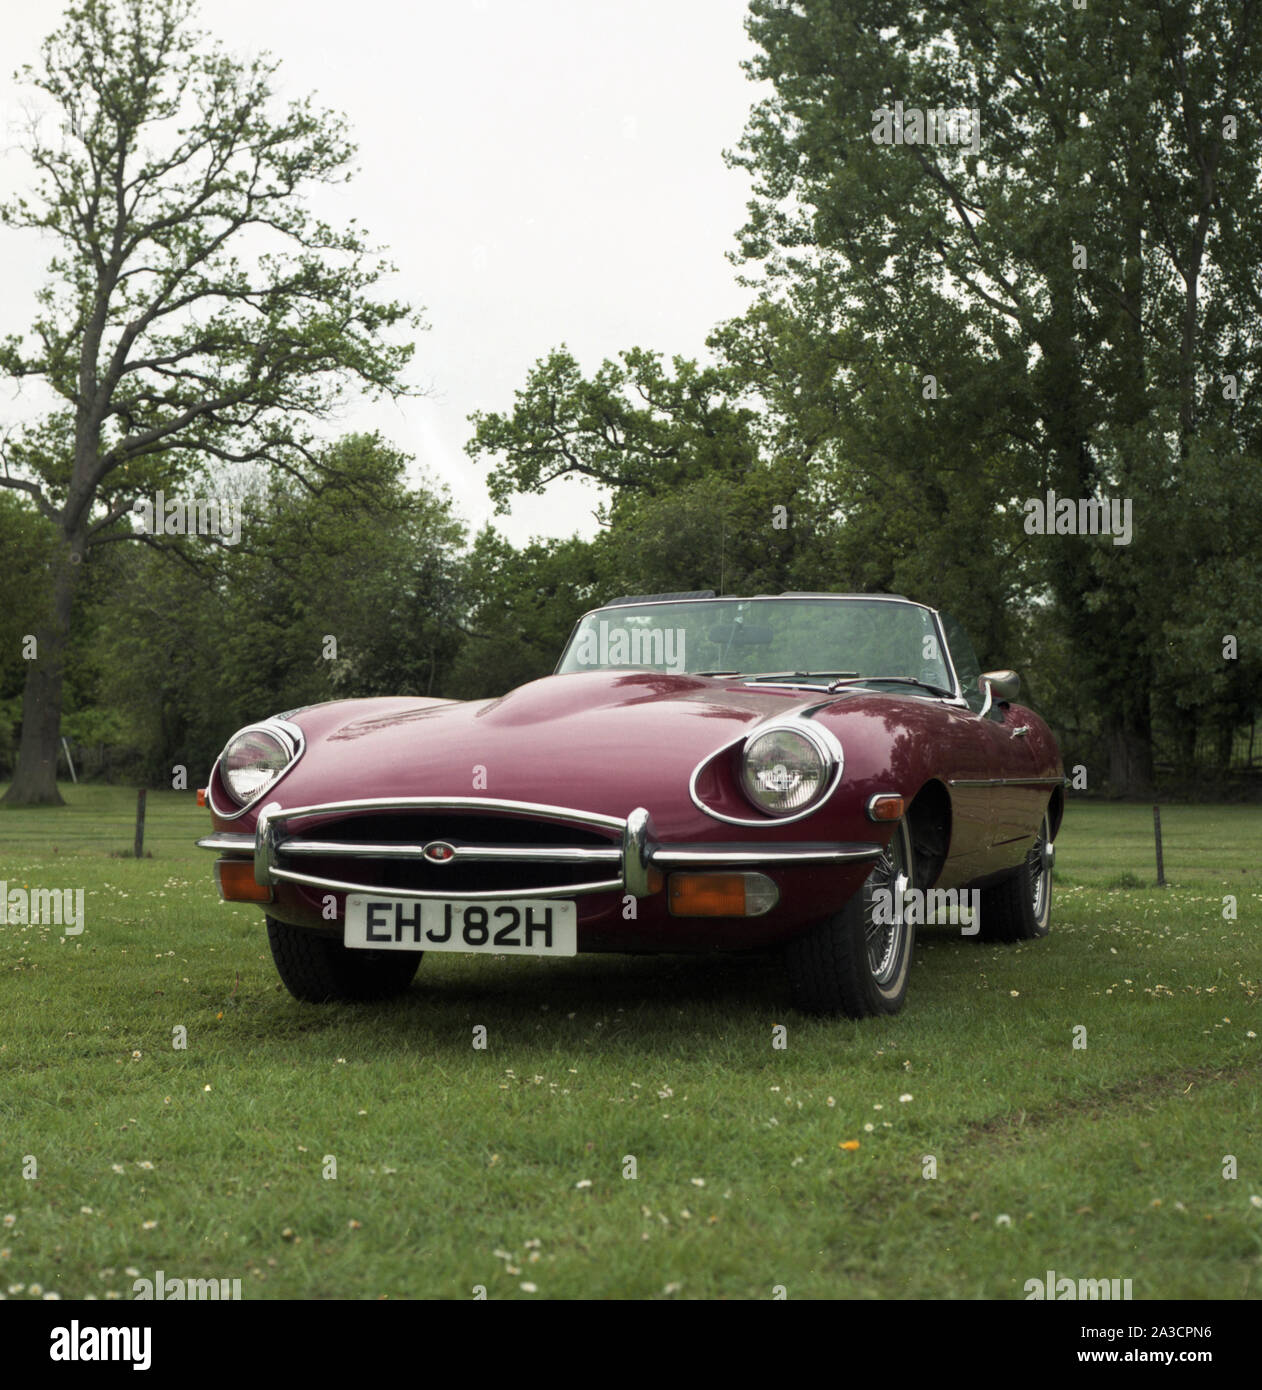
{"x":1156,"y":828}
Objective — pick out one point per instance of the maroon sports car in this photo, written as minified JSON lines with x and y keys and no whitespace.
{"x":814,"y":772}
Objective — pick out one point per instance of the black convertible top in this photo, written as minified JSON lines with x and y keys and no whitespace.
{"x":709,"y":593}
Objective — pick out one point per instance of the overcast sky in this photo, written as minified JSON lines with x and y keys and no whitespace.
{"x":542,"y":171}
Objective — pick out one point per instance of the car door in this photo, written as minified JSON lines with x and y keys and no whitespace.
{"x":1012,"y":809}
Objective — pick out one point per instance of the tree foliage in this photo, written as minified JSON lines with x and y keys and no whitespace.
{"x":1080,"y":281}
{"x":196,"y":308}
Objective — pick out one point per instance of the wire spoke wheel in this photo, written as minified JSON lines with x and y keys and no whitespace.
{"x":1020,"y":908}
{"x":856,"y":962}
{"x":884,"y":895}
{"x":1039,"y":866}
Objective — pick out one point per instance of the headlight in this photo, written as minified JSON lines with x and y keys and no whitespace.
{"x":253,"y":760}
{"x":785,"y":770}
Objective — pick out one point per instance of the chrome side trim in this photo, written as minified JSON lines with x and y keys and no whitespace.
{"x":677,"y":856}
{"x":1006,"y":782}
{"x":290,"y":735}
{"x":228,"y":842}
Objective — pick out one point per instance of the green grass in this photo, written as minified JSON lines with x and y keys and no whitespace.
{"x":1105,"y":1162}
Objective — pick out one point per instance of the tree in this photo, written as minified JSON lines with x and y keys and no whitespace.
{"x":632,"y":427}
{"x":696,"y":497}
{"x":522,"y":605}
{"x":898,"y":491}
{"x":196,"y":309}
{"x":368,"y":562}
{"x":1090,"y":236}
{"x":24,"y":545}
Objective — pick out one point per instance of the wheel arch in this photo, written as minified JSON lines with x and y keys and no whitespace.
{"x":929,"y":821}
{"x":1056,"y":810}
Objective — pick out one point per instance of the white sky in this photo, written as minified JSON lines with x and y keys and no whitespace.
{"x":542,"y":171}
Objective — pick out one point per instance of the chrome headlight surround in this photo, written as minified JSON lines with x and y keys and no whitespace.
{"x":786,"y":768}
{"x":823,"y":741}
{"x":268,"y":765}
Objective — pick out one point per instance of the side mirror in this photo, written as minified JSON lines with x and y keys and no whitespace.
{"x":998,"y":685}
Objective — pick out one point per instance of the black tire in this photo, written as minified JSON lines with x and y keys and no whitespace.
{"x":319,"y":969}
{"x":850,"y":965}
{"x":1020,"y":908}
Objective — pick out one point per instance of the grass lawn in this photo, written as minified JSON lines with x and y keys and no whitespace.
{"x":504,"y":1167}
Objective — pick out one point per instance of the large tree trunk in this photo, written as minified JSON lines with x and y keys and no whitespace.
{"x":1224,"y":742}
{"x":35,"y":777}
{"x":1130,"y":756}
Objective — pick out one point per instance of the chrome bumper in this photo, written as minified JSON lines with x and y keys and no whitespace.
{"x":632,"y":860}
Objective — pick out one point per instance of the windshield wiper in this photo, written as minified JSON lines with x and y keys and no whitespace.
{"x":796,"y":675}
{"x":874,"y":680}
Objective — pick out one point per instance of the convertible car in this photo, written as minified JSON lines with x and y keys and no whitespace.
{"x":815,"y":773}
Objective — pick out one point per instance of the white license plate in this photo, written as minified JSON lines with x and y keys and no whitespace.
{"x":498,"y":926}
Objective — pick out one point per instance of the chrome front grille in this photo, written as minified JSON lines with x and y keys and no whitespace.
{"x":466,"y":849}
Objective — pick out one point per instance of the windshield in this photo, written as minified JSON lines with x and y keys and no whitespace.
{"x":805,"y":640}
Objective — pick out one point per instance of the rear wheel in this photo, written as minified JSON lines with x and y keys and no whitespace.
{"x":318,"y":969}
{"x":1020,"y":908}
{"x":856,"y":963}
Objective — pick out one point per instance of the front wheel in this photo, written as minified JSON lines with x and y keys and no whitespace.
{"x":1020,"y":908}
{"x":856,"y":962}
{"x":318,"y":969}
